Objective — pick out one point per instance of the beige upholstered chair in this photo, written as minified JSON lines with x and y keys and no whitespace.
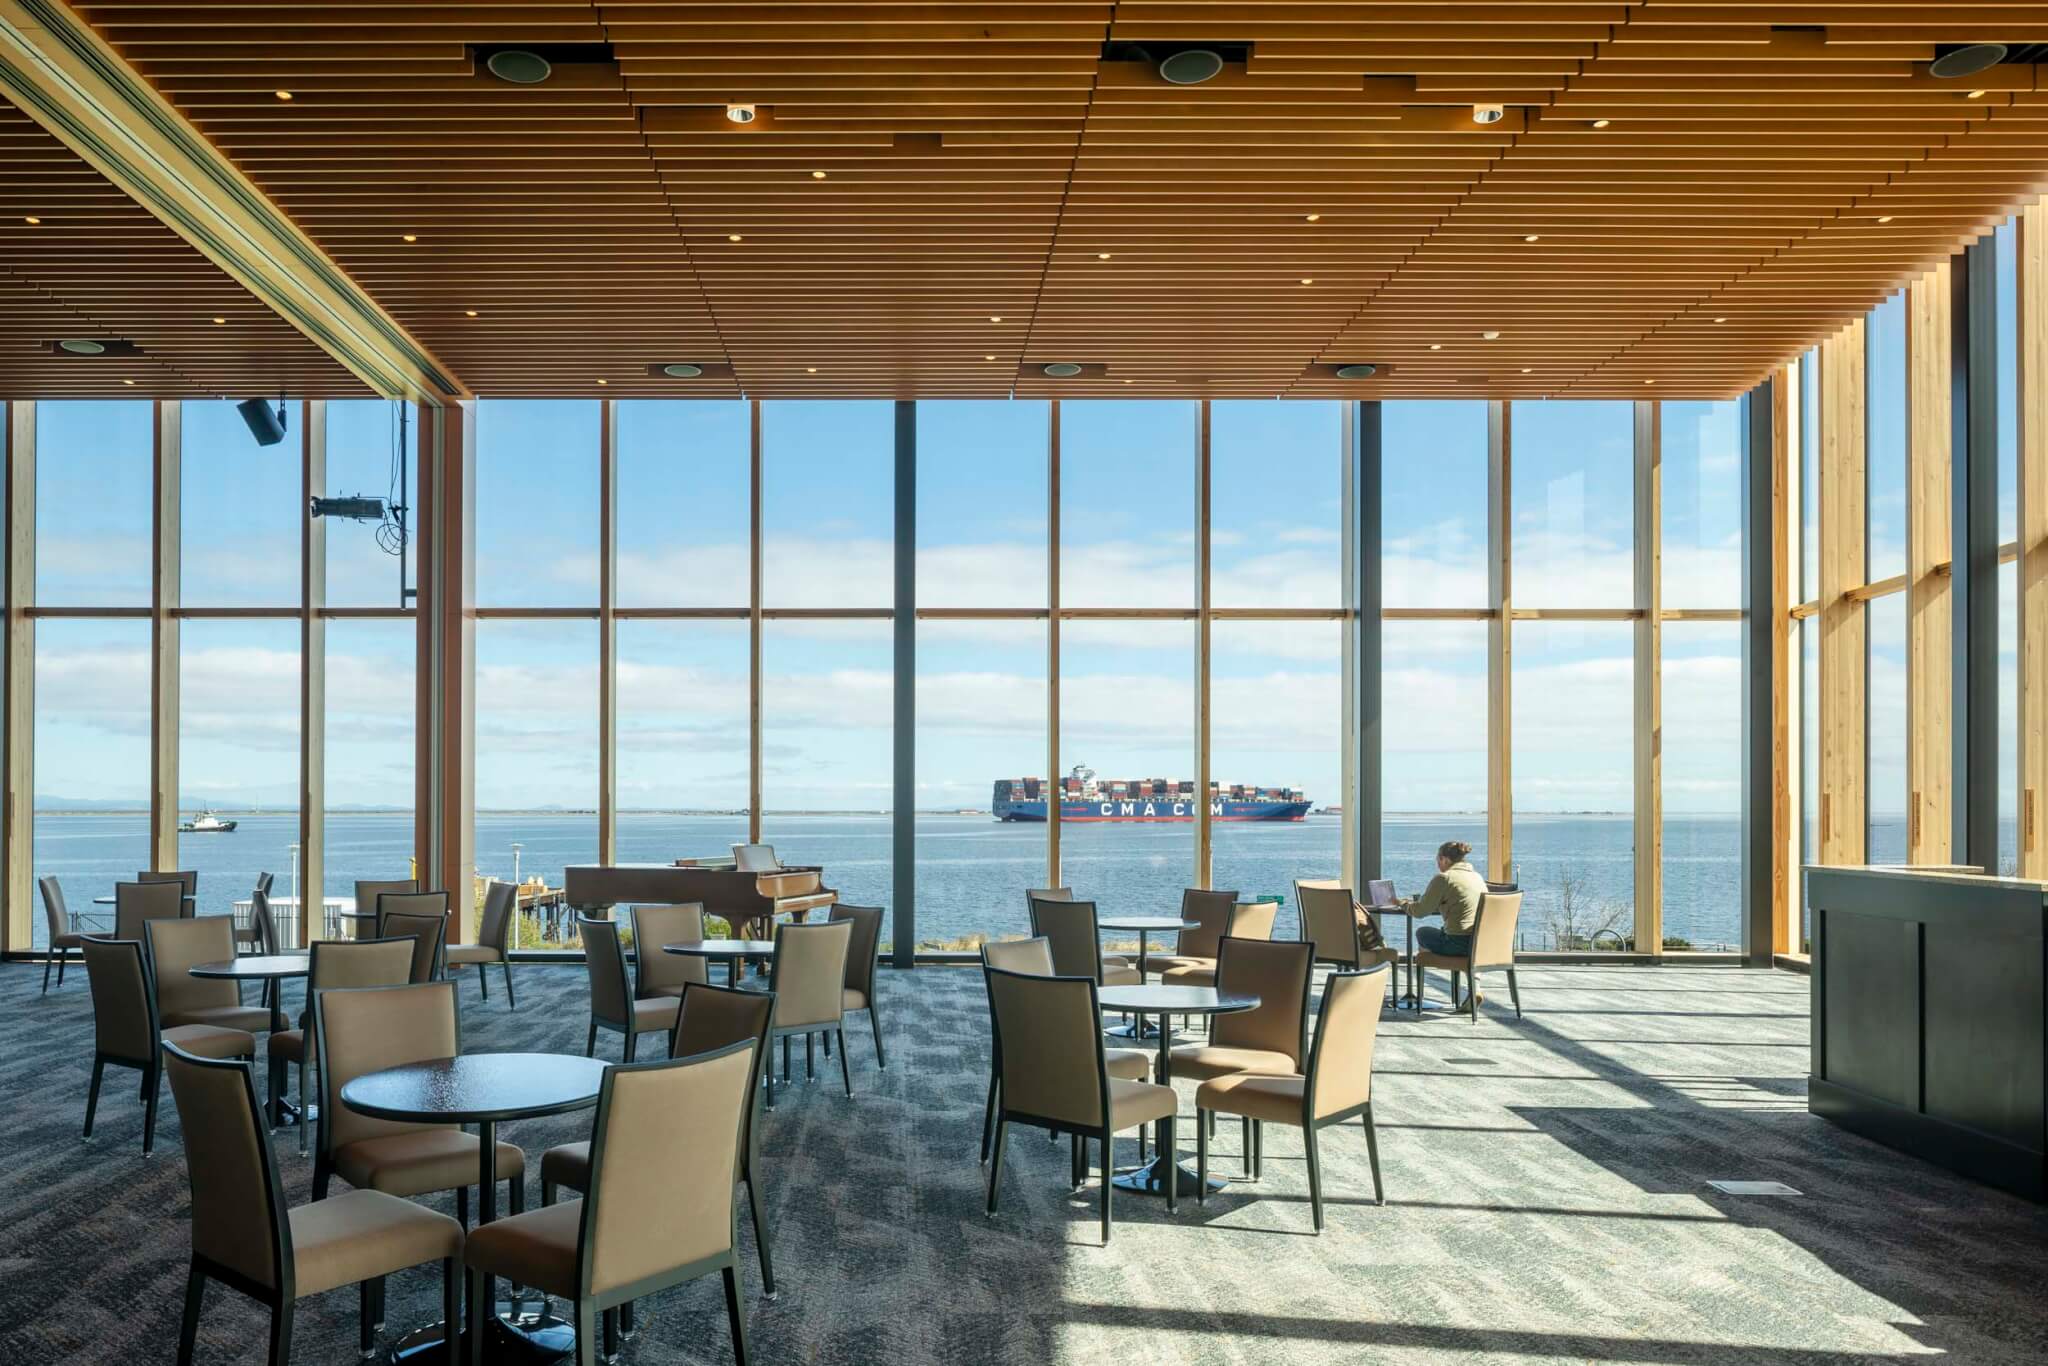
{"x":1493,"y":946}
{"x":367,"y":1029}
{"x":177,"y":945}
{"x":1244,"y":920}
{"x":664,"y":1156}
{"x":612,"y":1003}
{"x":1032,"y":894}
{"x":711,"y":1018}
{"x":367,"y":893}
{"x":861,"y":954}
{"x":127,"y":1032}
{"x":338,"y":963}
{"x":1211,"y":911}
{"x":244,"y":1237}
{"x":424,"y":916}
{"x":808,"y":977}
{"x":1328,"y":923}
{"x":188,"y":884}
{"x":1338,"y":1085}
{"x":655,"y":973}
{"x":1270,"y":1039}
{"x":1070,"y":929}
{"x":1033,"y":957}
{"x":135,"y":902}
{"x":493,"y":940}
{"x":255,"y":935}
{"x":1048,"y":1031}
{"x":63,"y":937}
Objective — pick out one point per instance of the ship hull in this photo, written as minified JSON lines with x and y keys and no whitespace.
{"x":1155,"y":810}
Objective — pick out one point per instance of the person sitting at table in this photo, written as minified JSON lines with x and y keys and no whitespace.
{"x":1454,"y":893}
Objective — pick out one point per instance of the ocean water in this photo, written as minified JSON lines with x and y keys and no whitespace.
{"x":971,"y":871}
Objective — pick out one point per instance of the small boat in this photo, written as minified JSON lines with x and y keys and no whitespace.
{"x":205,"y":823}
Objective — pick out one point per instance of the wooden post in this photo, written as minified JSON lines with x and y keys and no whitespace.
{"x":608,"y":634}
{"x":1786,"y":739}
{"x":1500,"y":823}
{"x":1649,"y":673}
{"x":447,"y":634}
{"x":2033,"y":539}
{"x":1204,"y":828}
{"x":17,"y":820}
{"x":1930,"y":641}
{"x":754,"y":624}
{"x":163,"y":655}
{"x":1052,"y":652}
{"x":312,"y":675}
{"x":1844,"y":635}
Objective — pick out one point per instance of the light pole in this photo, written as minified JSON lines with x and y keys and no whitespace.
{"x":516,"y":847}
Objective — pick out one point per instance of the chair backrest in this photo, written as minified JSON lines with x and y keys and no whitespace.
{"x":1211,"y":912}
{"x":755,"y":858}
{"x":664,"y":1158}
{"x":424,"y":915}
{"x":368,"y":892}
{"x":1033,"y":957}
{"x":124,"y":1018}
{"x":260,"y":917}
{"x":1327,"y":922}
{"x":1048,"y":1035}
{"x":1278,"y":972}
{"x":54,"y":912}
{"x":265,"y":881}
{"x":611,"y":994}
{"x":495,"y":931}
{"x":1032,"y":894}
{"x":187,"y":878}
{"x":711,"y":1018}
{"x":865,"y":946}
{"x":367,"y":1029}
{"x":1254,"y":919}
{"x":176,"y":945}
{"x":1493,"y":934}
{"x":343,"y":964}
{"x":1340,"y":1062}
{"x":654,"y":926}
{"x":1069,"y":927}
{"x":238,"y":1218}
{"x":809,"y":973}
{"x":135,"y":902}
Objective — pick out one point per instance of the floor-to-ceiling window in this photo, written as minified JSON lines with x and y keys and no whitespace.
{"x":1885,"y":435}
{"x":2005,"y":264}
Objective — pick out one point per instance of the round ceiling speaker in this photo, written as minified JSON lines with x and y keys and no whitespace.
{"x":1191,"y":67}
{"x":81,"y":346}
{"x":519,"y":66}
{"x":1967,"y":61}
{"x":682,"y":371}
{"x":1062,"y":369}
{"x":1357,"y":371}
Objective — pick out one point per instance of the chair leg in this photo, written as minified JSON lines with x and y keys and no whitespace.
{"x":1245,"y":1121}
{"x":92,"y":1096}
{"x":280,"y":1335}
{"x":1315,"y":1176}
{"x":1472,"y":996}
{"x":810,"y":1057}
{"x":367,"y":1315}
{"x":322,"y":1174}
{"x":473,"y":1340}
{"x":377,"y":1306}
{"x":632,"y":1041}
{"x":1108,"y":1185}
{"x":151,"y":1077}
{"x":451,"y":1302}
{"x":483,"y":981}
{"x":511,"y":1002}
{"x":586,"y":1334}
{"x":1514,"y":990}
{"x":761,"y":1237}
{"x":785,"y":1060}
{"x":305,"y":1122}
{"x":1168,"y":1156}
{"x":46,"y":972}
{"x":590,"y":1046}
{"x":845,"y":1073}
{"x":995,"y":1166}
{"x":737,"y":1315}
{"x":188,"y":1330}
{"x":988,"y":1116}
{"x":462,"y":1207}
{"x":1372,"y":1153}
{"x":515,"y":1192}
{"x":1259,"y":1149}
{"x":874,"y":1022}
{"x":1201,"y":1159}
{"x":628,"y":1323}
{"x":1074,"y":1163}
{"x":828,"y":1044}
{"x":611,"y":1334}
{"x":1144,"y":1151}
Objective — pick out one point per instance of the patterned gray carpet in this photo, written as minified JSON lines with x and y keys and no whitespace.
{"x":1546,"y":1181}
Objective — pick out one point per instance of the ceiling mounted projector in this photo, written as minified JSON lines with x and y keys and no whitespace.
{"x":354,"y":509}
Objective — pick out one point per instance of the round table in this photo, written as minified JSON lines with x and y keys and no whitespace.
{"x":484,"y":1089}
{"x":1162,"y":1001}
{"x":270,"y":969}
{"x":733,"y":951}
{"x":1143,"y":925}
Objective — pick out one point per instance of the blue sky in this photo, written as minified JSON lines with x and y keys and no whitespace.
{"x":1128,"y":518}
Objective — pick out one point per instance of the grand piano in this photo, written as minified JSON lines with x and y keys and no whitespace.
{"x":749,"y":890}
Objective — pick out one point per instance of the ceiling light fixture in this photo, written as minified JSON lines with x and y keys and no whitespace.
{"x":127,"y":381}
{"x":1649,"y":381}
{"x":1315,"y":218}
{"x":1966,"y":59}
{"x":988,"y":357}
{"x":1489,"y":336}
{"x":817,"y":175}
{"x":732,"y":237}
{"x":1602,"y":123}
{"x":1102,"y":256}
{"x":1532,"y":237}
{"x":682,"y":370}
{"x":410,"y":237}
{"x":1528,"y":369}
{"x":1062,"y":369}
{"x":469,"y":313}
{"x":1488,"y":113}
{"x":995,"y":317}
{"x":1884,"y":218}
{"x":519,"y":67}
{"x":282,"y":94}
{"x":1357,"y":371}
{"x":1976,"y":95}
{"x":810,"y":369}
{"x":32,"y":220}
{"x":82,"y":346}
{"x":1191,"y":67}
{"x":604,"y":381}
{"x":1308,"y":279}
{"x":218,"y":322}
{"x":1720,"y":320}
{"x":1436,"y":346}
{"x":740,"y":113}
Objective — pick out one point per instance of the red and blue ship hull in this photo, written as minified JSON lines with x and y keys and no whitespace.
{"x":1149,"y":809}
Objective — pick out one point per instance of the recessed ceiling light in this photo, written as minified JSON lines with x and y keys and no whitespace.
{"x":1315,"y":218}
{"x":604,"y":381}
{"x":1649,"y":381}
{"x":1602,"y":123}
{"x":519,"y":66}
{"x":740,"y":113}
{"x":1488,"y":113}
{"x":995,"y":317}
{"x":1357,"y":371}
{"x":127,"y":381}
{"x":1308,"y":279}
{"x":1720,"y":320}
{"x":1528,"y":369}
{"x":1102,"y":256}
{"x":1966,"y":60}
{"x":988,"y":357}
{"x":411,"y":237}
{"x":1127,"y":381}
{"x":469,"y":313}
{"x":31,"y":219}
{"x":1884,"y":218}
{"x":282,"y":94}
{"x":219,"y":321}
{"x":82,"y":346}
{"x":810,"y":369}
{"x":732,"y":237}
{"x":1489,"y":336}
{"x":1532,"y":237}
{"x":1191,"y":67}
{"x":817,"y":175}
{"x":682,"y":370}
{"x":1975,"y":95}
{"x":1436,"y":346}
{"x":1062,"y":369}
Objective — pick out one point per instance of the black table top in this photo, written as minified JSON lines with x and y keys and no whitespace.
{"x":262,"y":965}
{"x":1145,"y":923}
{"x":1176,"y":1000}
{"x":477,"y":1087}
{"x":723,"y":948}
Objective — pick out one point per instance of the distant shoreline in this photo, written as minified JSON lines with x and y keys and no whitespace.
{"x":238,"y":812}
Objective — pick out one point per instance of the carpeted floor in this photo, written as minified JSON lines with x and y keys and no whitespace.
{"x":1546,"y":1181}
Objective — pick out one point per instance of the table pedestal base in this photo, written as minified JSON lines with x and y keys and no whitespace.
{"x":1150,"y":1179}
{"x":1144,"y":1031}
{"x":521,"y":1331}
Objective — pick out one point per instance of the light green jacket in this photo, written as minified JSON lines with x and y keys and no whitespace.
{"x":1453,"y":894}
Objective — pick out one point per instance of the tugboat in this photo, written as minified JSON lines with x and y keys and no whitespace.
{"x":205,"y":823}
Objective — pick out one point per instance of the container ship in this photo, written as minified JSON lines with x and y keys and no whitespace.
{"x":1083,"y":798}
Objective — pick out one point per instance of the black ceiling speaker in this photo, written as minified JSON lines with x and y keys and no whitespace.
{"x":1966,"y":59}
{"x":266,"y":426}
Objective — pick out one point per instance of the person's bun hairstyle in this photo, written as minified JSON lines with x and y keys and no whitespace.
{"x":1457,"y":851}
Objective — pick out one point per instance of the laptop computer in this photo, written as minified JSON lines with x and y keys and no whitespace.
{"x":1379,"y":892}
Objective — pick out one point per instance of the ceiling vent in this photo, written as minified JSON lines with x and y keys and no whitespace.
{"x":534,"y":63}
{"x":95,"y":346}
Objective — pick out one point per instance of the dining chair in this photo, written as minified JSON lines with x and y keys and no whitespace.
{"x":176,"y":945}
{"x":127,"y":1031}
{"x":1329,"y":924}
{"x":1336,"y":1087}
{"x":135,"y":902}
{"x":367,"y":1029}
{"x":1032,"y":894}
{"x":338,"y":963}
{"x":666,"y":974}
{"x":423,"y":915}
{"x":187,"y":880}
{"x":64,"y":936}
{"x":1055,"y":1077}
{"x":252,"y":936}
{"x":808,"y":977}
{"x":665,"y":1154}
{"x":612,"y":1003}
{"x":1211,"y":913}
{"x":1033,"y":957}
{"x":1070,"y":928}
{"x":1493,"y":946}
{"x":1270,"y":1038}
{"x":244,"y":1237}
{"x":862,"y":953}
{"x":493,"y":940}
{"x":367,"y":892}
{"x":709,"y":1019}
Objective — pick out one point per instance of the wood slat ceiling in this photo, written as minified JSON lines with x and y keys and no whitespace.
{"x":97,"y":266}
{"x":1712,"y":185}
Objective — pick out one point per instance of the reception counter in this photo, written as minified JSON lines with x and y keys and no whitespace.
{"x":1929,"y":1029}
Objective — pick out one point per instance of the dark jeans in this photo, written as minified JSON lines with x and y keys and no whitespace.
{"x":1431,"y":939}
